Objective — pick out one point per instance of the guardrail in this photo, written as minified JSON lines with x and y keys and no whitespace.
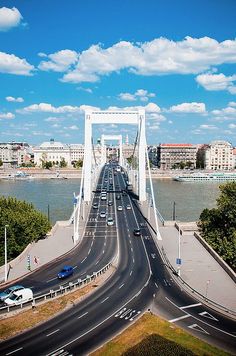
{"x":63,"y":289}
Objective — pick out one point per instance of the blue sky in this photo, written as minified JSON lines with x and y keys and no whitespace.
{"x":176,"y":59}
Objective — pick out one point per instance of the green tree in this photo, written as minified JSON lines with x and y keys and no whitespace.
{"x":78,"y":164}
{"x":1,"y":163}
{"x":62,"y":163}
{"x":218,"y":225}
{"x":25,"y":225}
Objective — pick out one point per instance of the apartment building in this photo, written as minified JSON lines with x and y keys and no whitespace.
{"x":219,"y":155}
{"x":15,"y":153}
{"x":173,"y":155}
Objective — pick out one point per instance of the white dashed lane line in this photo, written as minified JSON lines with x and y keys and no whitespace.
{"x":53,"y":332}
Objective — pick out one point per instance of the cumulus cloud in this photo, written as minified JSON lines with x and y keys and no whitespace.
{"x":188,"y":108}
{"x":11,"y":64}
{"x":8,"y":115}
{"x":14,"y":100}
{"x":9,"y":18}
{"x":216,"y":82}
{"x":140,"y":94}
{"x":232,"y":126}
{"x":59,"y":61}
{"x":49,"y":108}
{"x":228,"y":111}
{"x":232,"y":103}
{"x":157,"y":57}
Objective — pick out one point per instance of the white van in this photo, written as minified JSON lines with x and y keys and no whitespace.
{"x":19,"y":297}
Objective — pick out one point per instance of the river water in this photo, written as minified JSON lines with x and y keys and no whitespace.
{"x":190,"y":198}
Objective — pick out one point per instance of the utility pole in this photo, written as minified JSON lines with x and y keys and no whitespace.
{"x":5,"y":244}
{"x":174,"y":211}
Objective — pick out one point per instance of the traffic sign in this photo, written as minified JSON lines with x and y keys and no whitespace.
{"x":178,"y":261}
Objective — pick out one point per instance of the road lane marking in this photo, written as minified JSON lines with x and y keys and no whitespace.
{"x":84,"y":259}
{"x":198,"y":328}
{"x":12,"y":352}
{"x":131,"y":273}
{"x":180,"y":318}
{"x":50,"y":280}
{"x":156,"y":285}
{"x":53,"y":332}
{"x":122,"y":285}
{"x":135,"y":316}
{"x":208,"y":315}
{"x":190,"y":306}
{"x":89,"y":251}
{"x":125,"y":313}
{"x":104,"y":300}
{"x":81,"y":316}
{"x":130,"y":314}
{"x":97,"y":262}
{"x":120,"y":312}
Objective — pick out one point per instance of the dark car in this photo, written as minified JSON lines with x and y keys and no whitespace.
{"x":137,"y":232}
{"x":65,"y":272}
{"x":7,"y":293}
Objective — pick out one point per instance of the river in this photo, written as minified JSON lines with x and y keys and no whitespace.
{"x":190,"y":198}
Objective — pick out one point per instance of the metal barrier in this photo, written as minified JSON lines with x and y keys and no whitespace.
{"x":79,"y":283}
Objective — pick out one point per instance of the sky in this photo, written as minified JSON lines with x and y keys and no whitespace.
{"x":175,"y":59}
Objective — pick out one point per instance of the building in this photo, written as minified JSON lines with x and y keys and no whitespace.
{"x":13,"y":154}
{"x":219,"y":156}
{"x":176,"y":155}
{"x":152,"y":155}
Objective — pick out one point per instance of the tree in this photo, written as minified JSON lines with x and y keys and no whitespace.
{"x":218,"y":225}
{"x":63,"y":163}
{"x":1,"y":163}
{"x":77,"y":164}
{"x":25,"y":225}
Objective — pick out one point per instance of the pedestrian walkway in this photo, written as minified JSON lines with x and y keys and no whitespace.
{"x":198,"y":267}
{"x":41,"y":252}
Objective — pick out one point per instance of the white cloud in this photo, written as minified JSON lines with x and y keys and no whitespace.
{"x":140,"y":94}
{"x":14,"y":100}
{"x":9,"y":18}
{"x":8,"y":115}
{"x":149,"y":108}
{"x":228,"y":111}
{"x":217,"y":82}
{"x":73,"y":127}
{"x":59,"y":61}
{"x":53,"y":119}
{"x":232,"y":126}
{"x":188,"y":108}
{"x":157,"y":57}
{"x":11,"y":64}
{"x":208,"y":127}
{"x":232,"y":103}
{"x":49,"y":108}
{"x":88,"y":90}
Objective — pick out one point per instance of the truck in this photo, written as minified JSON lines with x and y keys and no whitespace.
{"x":19,"y":297}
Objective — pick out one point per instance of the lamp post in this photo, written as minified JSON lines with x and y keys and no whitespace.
{"x":179,"y":258}
{"x":5,"y":244}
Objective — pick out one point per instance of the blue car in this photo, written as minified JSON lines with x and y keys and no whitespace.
{"x":65,"y":272}
{"x":7,"y":293}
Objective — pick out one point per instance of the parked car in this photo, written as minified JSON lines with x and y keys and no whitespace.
{"x":137,"y":232}
{"x":110,"y":221}
{"x":65,"y":272}
{"x":119,"y":208}
{"x":19,"y":297}
{"x":102,"y":214}
{"x":7,"y":293}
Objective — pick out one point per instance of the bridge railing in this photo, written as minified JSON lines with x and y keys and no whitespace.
{"x":62,"y":289}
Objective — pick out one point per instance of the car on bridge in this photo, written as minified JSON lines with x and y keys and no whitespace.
{"x":95,"y":205}
{"x":137,"y":232}
{"x":110,"y":221}
{"x":110,"y":202}
{"x":119,"y":208}
{"x":128,"y":207}
{"x":65,"y":272}
{"x":102,"y":214}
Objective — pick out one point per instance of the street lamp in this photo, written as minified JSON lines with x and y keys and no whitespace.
{"x":5,"y":244}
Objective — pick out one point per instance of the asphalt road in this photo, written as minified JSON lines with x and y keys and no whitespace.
{"x":141,"y":281}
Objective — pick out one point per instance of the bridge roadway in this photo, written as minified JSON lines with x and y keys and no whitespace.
{"x":139,"y":282}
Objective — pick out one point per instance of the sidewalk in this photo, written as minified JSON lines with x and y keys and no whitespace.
{"x":41,"y":252}
{"x":198,"y":268}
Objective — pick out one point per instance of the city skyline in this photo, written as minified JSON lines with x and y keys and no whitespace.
{"x":177,"y":61}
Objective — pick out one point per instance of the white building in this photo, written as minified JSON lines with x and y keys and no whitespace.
{"x":51,"y":152}
{"x":219,"y":156}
